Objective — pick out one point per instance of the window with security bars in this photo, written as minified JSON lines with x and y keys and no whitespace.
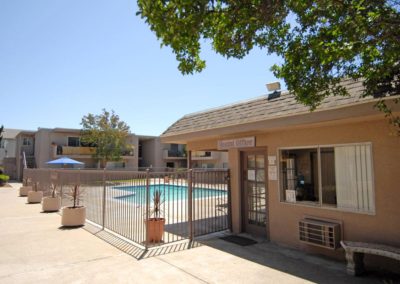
{"x":338,"y":176}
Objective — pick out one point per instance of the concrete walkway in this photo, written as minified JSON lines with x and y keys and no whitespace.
{"x":34,"y":249}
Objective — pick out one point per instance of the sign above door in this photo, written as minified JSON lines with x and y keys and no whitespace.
{"x":245,"y":142}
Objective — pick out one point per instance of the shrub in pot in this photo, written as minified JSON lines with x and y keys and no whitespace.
{"x":51,"y":203}
{"x":35,"y":195}
{"x":155,"y":224}
{"x":73,"y":216}
{"x":25,"y":188}
{"x":3,"y":179}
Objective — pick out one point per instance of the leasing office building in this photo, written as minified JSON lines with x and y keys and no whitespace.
{"x":305,"y":179}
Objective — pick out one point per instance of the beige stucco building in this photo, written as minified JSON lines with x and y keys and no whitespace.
{"x":305,"y":179}
{"x":48,"y":144}
{"x":157,"y":155}
{"x":54,"y":143}
{"x":8,"y":144}
{"x":14,"y":140}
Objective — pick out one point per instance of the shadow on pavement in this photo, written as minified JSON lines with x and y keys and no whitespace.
{"x":314,"y":268}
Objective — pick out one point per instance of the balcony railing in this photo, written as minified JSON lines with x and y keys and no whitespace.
{"x":204,"y":155}
{"x":168,"y":154}
{"x":83,"y":151}
{"x":128,"y":153}
{"x":67,"y":150}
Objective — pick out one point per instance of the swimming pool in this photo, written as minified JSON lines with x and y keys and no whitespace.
{"x":137,"y":194}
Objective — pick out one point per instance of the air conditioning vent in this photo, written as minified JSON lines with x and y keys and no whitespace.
{"x":320,"y":233}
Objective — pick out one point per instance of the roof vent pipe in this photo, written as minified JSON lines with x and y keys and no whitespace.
{"x":274,"y":88}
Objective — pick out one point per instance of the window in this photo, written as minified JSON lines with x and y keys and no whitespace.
{"x":338,"y":176}
{"x":27,"y":141}
{"x":140,"y":150}
{"x":74,"y":142}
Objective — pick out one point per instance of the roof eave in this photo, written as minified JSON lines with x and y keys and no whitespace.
{"x":362,"y":109}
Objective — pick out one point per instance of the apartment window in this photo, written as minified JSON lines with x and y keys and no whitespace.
{"x":140,"y":150}
{"x":74,"y":142}
{"x":27,"y":141}
{"x":338,"y":176}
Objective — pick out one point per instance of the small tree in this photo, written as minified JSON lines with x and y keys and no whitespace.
{"x":108,"y":133}
{"x":156,"y":211}
{"x":75,"y":195}
{"x":53,"y":190}
{"x":26,"y":181}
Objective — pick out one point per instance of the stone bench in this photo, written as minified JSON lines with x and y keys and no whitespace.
{"x":355,"y":254}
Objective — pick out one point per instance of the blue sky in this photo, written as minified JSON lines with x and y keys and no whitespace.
{"x":60,"y":60}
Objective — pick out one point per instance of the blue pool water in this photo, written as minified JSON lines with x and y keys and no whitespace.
{"x":137,"y":194}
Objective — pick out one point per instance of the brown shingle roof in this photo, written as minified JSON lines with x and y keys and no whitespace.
{"x":260,"y":109}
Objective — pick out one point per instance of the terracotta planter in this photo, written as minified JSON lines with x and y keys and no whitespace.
{"x":155,"y":230}
{"x":51,"y":204}
{"x":72,"y":217}
{"x":35,"y":196}
{"x":23,"y":190}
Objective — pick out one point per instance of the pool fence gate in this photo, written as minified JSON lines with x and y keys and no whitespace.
{"x":187,"y":202}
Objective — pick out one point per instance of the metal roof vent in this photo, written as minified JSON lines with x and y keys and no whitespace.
{"x":274,"y":89}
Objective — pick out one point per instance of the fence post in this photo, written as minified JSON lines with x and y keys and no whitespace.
{"x":228,"y":180}
{"x":104,"y":198}
{"x":147,"y":208}
{"x":60,"y":180}
{"x":190,"y":203}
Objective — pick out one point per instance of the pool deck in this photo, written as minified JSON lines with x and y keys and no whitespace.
{"x":33,"y":248}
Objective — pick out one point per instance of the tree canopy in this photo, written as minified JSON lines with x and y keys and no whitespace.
{"x":107,"y":133}
{"x":321,"y":41}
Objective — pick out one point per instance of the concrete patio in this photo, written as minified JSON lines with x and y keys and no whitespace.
{"x":34,"y":248}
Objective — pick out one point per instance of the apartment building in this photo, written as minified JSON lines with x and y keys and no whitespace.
{"x":7,"y":144}
{"x":15,"y":142}
{"x":35,"y":148}
{"x":209,"y":159}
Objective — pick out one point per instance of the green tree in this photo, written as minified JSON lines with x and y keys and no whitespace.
{"x":107,"y":133}
{"x":321,"y":42}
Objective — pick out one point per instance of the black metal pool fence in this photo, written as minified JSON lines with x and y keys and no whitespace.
{"x":190,"y":203}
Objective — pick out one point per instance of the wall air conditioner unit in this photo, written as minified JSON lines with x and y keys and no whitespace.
{"x":320,"y":233}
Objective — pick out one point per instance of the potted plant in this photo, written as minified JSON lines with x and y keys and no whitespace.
{"x":25,"y":188}
{"x":3,"y":179}
{"x":35,"y":195}
{"x":155,"y":224}
{"x":51,"y":203}
{"x":73,"y":216}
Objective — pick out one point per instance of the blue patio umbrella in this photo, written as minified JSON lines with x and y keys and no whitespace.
{"x":64,"y":161}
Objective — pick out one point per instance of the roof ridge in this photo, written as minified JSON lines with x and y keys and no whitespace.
{"x":283,"y":93}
